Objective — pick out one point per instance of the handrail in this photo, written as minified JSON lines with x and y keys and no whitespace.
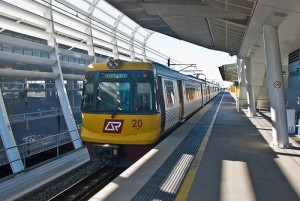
{"x":35,"y":146}
{"x":38,"y":115}
{"x":21,"y":87}
{"x":239,"y":105}
{"x":259,"y":103}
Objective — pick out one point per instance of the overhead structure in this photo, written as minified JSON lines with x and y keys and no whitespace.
{"x":229,"y":72}
{"x":232,"y":26}
{"x":217,"y":25}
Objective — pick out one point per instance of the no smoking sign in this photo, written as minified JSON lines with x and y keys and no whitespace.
{"x":277,"y":84}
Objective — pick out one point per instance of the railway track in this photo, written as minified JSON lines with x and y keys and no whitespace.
{"x":88,"y":186}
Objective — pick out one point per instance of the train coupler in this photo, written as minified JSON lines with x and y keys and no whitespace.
{"x":107,"y":151}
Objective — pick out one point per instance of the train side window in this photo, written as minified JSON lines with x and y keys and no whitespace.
{"x":199,"y":95}
{"x":187,"y":92}
{"x":169,"y":89}
{"x":191,"y":92}
{"x":88,"y":96}
{"x":204,"y":90}
{"x":144,"y":96}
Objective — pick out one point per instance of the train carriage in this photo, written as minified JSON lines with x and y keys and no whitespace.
{"x":128,"y":106}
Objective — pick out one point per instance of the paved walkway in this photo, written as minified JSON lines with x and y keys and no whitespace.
{"x":239,"y":164}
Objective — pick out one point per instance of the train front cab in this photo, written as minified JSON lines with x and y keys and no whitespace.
{"x":120,"y":114}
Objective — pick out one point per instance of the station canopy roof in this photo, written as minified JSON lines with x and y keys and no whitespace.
{"x":214,"y":24}
{"x":232,"y":26}
{"x":229,"y":72}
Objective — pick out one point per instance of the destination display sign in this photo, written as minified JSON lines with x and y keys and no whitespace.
{"x":114,"y":75}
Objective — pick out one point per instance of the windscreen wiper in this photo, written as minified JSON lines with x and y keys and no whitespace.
{"x":116,"y":110}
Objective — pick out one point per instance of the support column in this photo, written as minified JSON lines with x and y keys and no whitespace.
{"x":275,"y":86}
{"x":115,"y":41}
{"x":91,"y":50}
{"x":70,"y":84}
{"x":8,"y":140}
{"x":144,"y":46}
{"x":59,"y":84}
{"x":132,"y":54}
{"x":90,"y":41}
{"x":239,"y":71}
{"x":250,"y":94}
{"x":242,"y":84}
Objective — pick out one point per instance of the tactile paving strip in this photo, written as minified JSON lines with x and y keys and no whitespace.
{"x":165,"y":183}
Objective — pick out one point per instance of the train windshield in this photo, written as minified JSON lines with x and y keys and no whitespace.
{"x":119,"y":92}
{"x":112,"y":96}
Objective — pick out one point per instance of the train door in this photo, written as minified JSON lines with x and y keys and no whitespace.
{"x":208,"y":94}
{"x":202,"y":95}
{"x":161,"y":102}
{"x":180,"y":95}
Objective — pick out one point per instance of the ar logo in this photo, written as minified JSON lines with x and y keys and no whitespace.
{"x":112,"y":126}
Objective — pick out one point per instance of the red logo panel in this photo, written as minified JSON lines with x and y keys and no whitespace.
{"x":113,"y":126}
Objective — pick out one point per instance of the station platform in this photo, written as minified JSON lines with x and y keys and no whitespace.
{"x":218,"y":154}
{"x":20,"y":184}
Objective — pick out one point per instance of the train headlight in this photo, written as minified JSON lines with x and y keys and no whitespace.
{"x":117,"y":64}
{"x":114,"y":64}
{"x":110,"y":64}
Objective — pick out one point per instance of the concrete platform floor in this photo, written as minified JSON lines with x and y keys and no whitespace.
{"x":239,"y":165}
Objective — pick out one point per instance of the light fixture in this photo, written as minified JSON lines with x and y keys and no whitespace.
{"x":279,"y":14}
{"x":114,"y":64}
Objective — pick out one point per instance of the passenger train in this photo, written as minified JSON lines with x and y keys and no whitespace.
{"x":127,"y":107}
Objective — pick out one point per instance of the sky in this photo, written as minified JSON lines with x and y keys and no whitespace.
{"x":206,"y":60}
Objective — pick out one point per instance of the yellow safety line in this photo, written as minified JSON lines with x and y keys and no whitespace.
{"x":189,"y":178}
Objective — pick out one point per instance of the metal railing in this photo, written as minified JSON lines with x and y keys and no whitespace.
{"x":261,"y":104}
{"x":20,"y":87}
{"x":38,"y":115}
{"x":36,"y":146}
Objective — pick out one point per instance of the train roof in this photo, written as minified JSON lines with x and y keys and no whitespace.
{"x":168,"y":72}
{"x":134,"y":65}
{"x":117,"y":64}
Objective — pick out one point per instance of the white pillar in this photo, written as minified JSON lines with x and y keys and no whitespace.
{"x":132,"y":54}
{"x":115,"y":41}
{"x":239,"y":71}
{"x":59,"y":83}
{"x":90,"y":40}
{"x":250,"y":94}
{"x":144,"y":46}
{"x":91,"y":50}
{"x":8,"y":140}
{"x":275,"y":86}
